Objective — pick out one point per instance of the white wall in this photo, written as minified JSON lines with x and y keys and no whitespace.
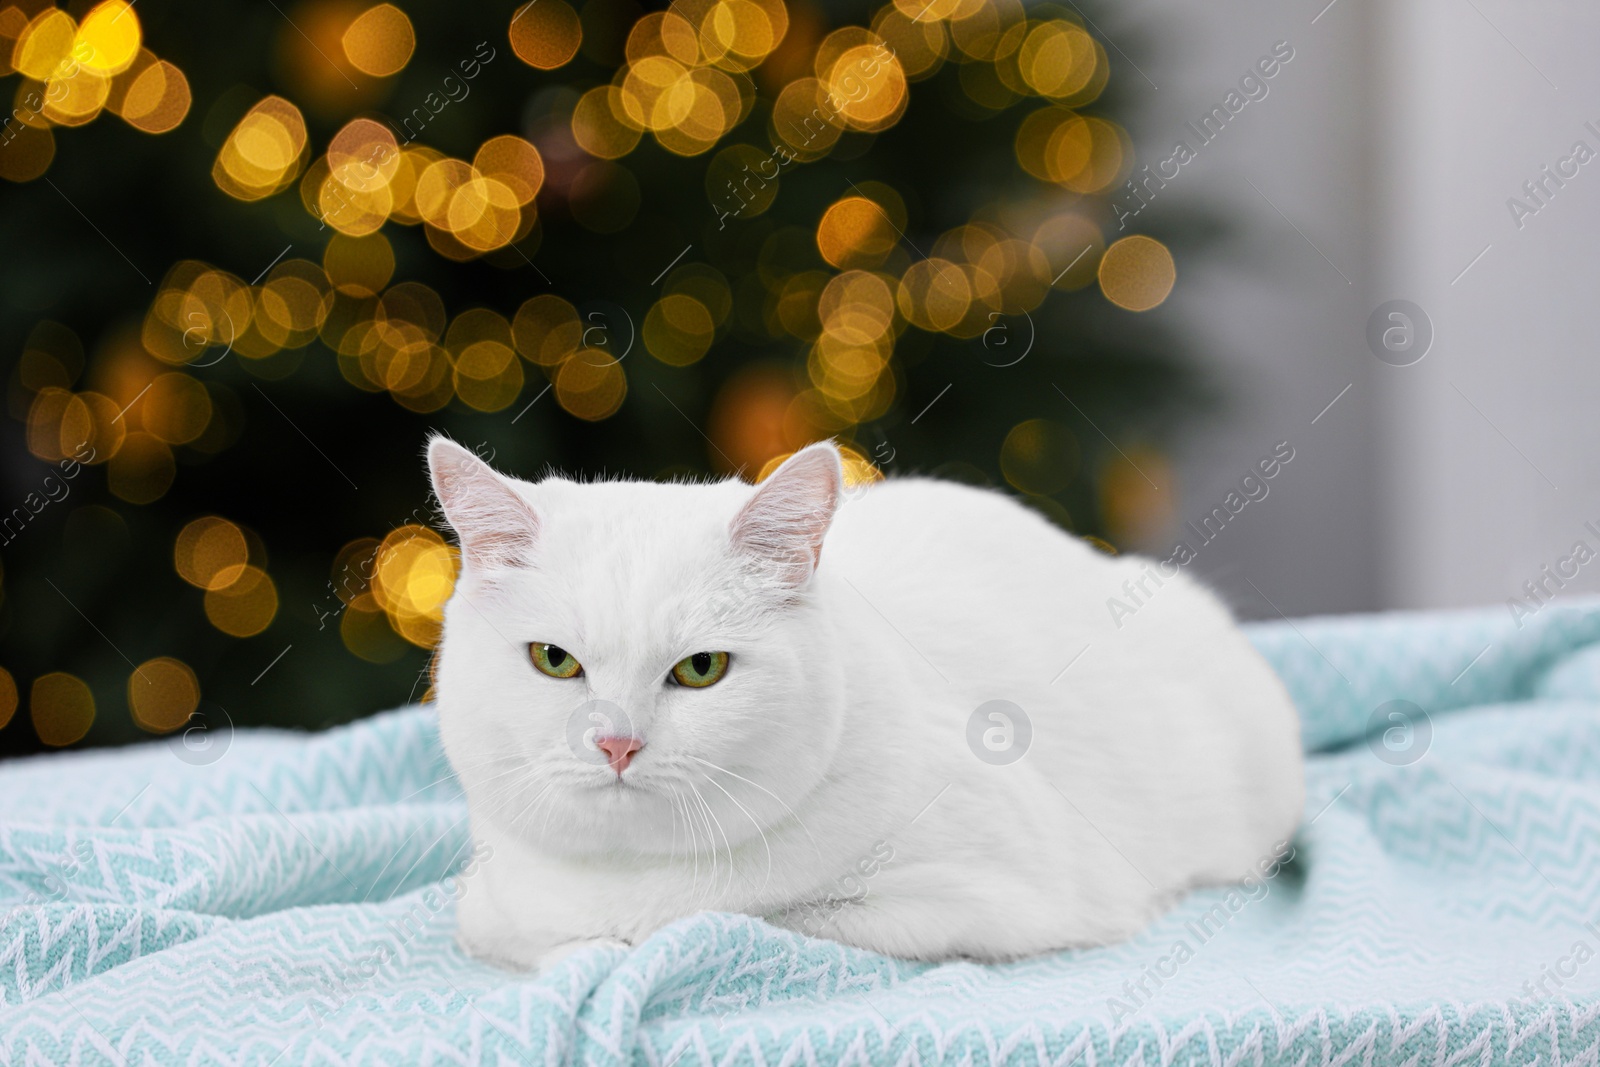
{"x":1391,"y":141}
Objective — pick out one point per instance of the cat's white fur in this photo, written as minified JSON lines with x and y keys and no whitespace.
{"x":827,"y":783}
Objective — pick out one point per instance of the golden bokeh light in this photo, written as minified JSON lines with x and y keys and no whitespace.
{"x":467,"y":213}
{"x":1136,"y":496}
{"x":512,"y":162}
{"x":1137,"y":273}
{"x":75,"y":94}
{"x":738,"y":35}
{"x":844,"y":296}
{"x":264,"y":153}
{"x":855,"y":231}
{"x":921,"y":44}
{"x":210,"y":553}
{"x":1057,"y":59}
{"x":292,"y":305}
{"x":663,"y":33}
{"x":935,"y":295}
{"x":162,"y":694}
{"x":1039,"y":456}
{"x":600,"y":126}
{"x":545,"y":34}
{"x":803,"y":122}
{"x":380,"y":41}
{"x":1073,"y":244}
{"x":678,"y":330}
{"x":858,"y":469}
{"x":413,"y":576}
{"x":796,"y":306}
{"x":363,"y":156}
{"x":358,"y":266}
{"x":62,"y":708}
{"x":366,"y":631}
{"x":176,"y":408}
{"x":860,"y":73}
{"x":45,"y":44}
{"x":54,"y":423}
{"x":591,"y":384}
{"x":8,"y":697}
{"x":109,"y":38}
{"x":353,"y":202}
{"x":142,"y":470}
{"x":157,"y":100}
{"x":1110,"y":158}
{"x":707,"y":285}
{"x":27,"y":154}
{"x":488,"y":375}
{"x":742,"y":181}
{"x":546,"y":330}
{"x":245,"y":606}
{"x":1054,"y":144}
{"x":749,"y":419}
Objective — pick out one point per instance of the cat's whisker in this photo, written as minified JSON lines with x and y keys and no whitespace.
{"x":497,"y":777}
{"x":673,"y":853}
{"x":692,"y":845}
{"x":698,"y":810}
{"x":695,"y":819}
{"x":753,"y":822}
{"x":532,"y":804}
{"x":726,"y":844}
{"x":792,"y":813}
{"x":429,"y":786}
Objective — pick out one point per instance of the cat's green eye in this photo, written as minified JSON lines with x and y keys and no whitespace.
{"x":555,"y":661}
{"x":701,"y":669}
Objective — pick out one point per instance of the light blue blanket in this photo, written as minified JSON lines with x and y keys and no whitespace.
{"x":286,"y":901}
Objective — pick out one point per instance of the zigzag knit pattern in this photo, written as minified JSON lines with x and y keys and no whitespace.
{"x":291,"y":902}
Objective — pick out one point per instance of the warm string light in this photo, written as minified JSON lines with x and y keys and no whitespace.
{"x":690,"y":77}
{"x":74,"y":71}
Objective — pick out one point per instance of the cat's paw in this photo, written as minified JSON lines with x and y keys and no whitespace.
{"x":553,"y":956}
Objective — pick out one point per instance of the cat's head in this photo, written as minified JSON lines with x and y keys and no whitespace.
{"x":635,"y":665}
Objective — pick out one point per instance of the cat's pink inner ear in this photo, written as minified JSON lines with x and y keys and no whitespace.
{"x":784,"y":523}
{"x":495,"y":526}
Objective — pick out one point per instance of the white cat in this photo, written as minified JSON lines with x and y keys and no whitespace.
{"x":777,"y":699}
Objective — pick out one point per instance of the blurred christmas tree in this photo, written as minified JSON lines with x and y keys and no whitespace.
{"x":257,"y":254}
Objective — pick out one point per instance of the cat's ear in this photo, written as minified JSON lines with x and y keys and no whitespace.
{"x":783,"y":524}
{"x":496,"y":526}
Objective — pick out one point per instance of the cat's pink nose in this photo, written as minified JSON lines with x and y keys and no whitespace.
{"x":619,"y":751}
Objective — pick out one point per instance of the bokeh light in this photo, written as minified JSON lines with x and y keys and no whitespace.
{"x":1039,"y":456}
{"x":8,"y":697}
{"x":591,"y":384}
{"x":210,"y":553}
{"x":62,"y":708}
{"x":245,"y":606}
{"x":1136,"y":496}
{"x":162,"y":694}
{"x":545,"y":34}
{"x":1137,"y":273}
{"x":108,"y":40}
{"x":678,"y":329}
{"x":842,"y":286}
{"x":157,"y":100}
{"x":414,"y":575}
{"x":380,"y":41}
{"x":855,"y":231}
{"x":142,"y":470}
{"x":264,"y":153}
{"x":750,"y":422}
